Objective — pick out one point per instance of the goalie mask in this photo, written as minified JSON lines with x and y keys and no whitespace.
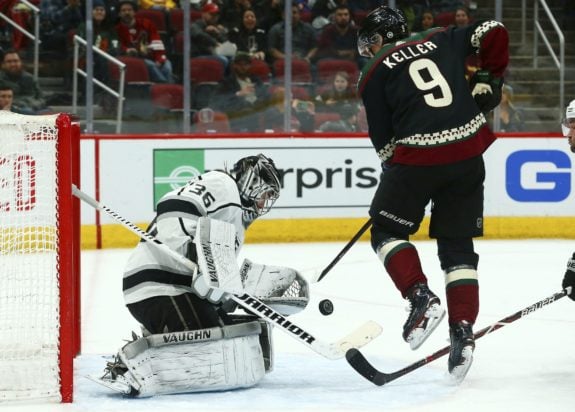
{"x":383,"y":25}
{"x":258,"y":184}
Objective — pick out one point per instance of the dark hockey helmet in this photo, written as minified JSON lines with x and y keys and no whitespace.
{"x":382,"y":25}
{"x":258,"y":183}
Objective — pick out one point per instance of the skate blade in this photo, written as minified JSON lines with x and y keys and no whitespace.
{"x":115,"y":385}
{"x":458,"y":373}
{"x":434,"y":315}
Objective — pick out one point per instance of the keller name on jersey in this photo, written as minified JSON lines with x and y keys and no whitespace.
{"x":408,"y":53}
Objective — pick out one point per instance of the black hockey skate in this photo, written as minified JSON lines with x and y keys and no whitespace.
{"x":425,"y":314}
{"x":461,"y":351}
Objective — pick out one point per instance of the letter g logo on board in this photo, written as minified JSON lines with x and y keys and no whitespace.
{"x":538,"y":175}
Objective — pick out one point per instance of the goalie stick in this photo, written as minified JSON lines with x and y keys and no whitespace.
{"x":335,"y":350}
{"x":358,"y":362}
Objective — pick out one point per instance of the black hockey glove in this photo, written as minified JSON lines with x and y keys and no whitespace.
{"x":569,"y":279}
{"x":486,"y":90}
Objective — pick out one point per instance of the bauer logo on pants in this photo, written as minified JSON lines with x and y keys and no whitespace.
{"x":173,"y":168}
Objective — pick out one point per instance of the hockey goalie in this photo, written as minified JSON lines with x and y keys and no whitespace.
{"x":193,"y":338}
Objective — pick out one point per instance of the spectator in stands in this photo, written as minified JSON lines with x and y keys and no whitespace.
{"x":232,"y":12}
{"x":462,"y":17}
{"x":426,"y":21}
{"x":304,"y":43}
{"x":163,"y":5}
{"x":57,"y":19}
{"x":140,"y":38}
{"x":511,"y":118}
{"x":322,"y":10}
{"x":303,"y":113}
{"x":27,"y":93}
{"x":268,"y":12}
{"x":347,"y":122}
{"x":7,"y":101}
{"x":248,"y":37}
{"x":207,"y":35}
{"x":20,"y":14}
{"x":6,"y":97}
{"x":242,"y":96}
{"x":339,"y":94}
{"x":303,"y":5}
{"x":105,"y":38}
{"x":339,"y":39}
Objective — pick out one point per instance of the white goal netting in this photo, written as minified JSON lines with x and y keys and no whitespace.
{"x":29,"y":260}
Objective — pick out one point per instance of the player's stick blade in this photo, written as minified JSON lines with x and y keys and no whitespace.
{"x":361,"y":365}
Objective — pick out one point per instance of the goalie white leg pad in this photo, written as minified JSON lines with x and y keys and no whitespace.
{"x":192,"y":361}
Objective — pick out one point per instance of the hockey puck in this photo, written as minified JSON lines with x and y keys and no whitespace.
{"x":326,"y":307}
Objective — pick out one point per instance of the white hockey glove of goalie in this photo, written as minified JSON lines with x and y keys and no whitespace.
{"x":279,"y":287}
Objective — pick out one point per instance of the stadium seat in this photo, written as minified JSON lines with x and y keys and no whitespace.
{"x":205,"y":74}
{"x":168,"y":96}
{"x":300,"y":70}
{"x":322,"y":117}
{"x":327,"y":68}
{"x":158,"y":17}
{"x":136,"y":70}
{"x":444,"y":19}
{"x":262,"y":70}
{"x":176,"y":18}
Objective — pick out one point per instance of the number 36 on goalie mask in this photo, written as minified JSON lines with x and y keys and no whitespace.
{"x":258,"y":184}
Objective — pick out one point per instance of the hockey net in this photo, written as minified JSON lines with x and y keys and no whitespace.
{"x":39,"y":251}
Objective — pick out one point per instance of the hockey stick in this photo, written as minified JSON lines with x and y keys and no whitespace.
{"x":336,"y":350}
{"x":344,"y":251}
{"x":356,"y":359}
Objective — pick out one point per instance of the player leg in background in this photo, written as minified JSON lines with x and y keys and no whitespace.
{"x":457,"y":217}
{"x":397,"y":210}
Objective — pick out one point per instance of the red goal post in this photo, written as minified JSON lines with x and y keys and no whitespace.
{"x":39,"y":256}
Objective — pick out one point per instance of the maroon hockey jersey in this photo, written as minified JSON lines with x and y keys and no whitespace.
{"x":418,"y":102}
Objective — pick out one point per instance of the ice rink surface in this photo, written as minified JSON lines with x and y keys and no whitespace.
{"x":529,"y":365}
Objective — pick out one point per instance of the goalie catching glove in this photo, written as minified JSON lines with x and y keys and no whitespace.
{"x":569,"y":279}
{"x":281,"y":288}
{"x":486,"y":90}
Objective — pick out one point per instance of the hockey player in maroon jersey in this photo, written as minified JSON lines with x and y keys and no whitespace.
{"x":428,"y":127}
